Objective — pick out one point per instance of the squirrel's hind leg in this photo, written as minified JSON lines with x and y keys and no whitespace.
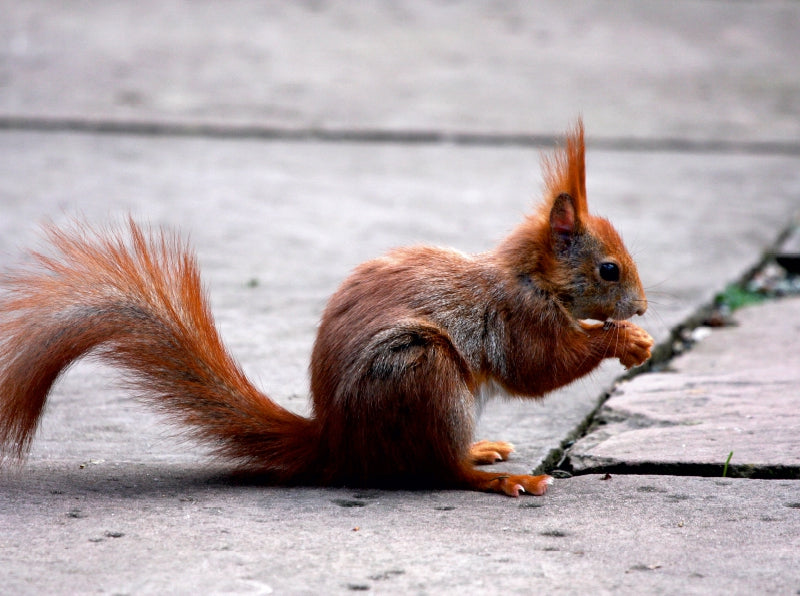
{"x":405,"y":418}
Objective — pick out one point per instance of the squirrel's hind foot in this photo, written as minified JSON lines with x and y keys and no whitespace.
{"x":489,"y":452}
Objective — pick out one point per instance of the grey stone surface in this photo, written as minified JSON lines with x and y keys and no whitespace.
{"x":638,"y":68}
{"x":737,"y":391}
{"x":278,"y":225}
{"x":133,"y":529}
{"x":112,"y":501}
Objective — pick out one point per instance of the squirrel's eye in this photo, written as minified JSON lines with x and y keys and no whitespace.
{"x":609,"y":271}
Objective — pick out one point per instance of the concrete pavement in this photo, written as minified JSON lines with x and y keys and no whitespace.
{"x":644,"y":70}
{"x":179,"y":112}
{"x":734,"y":393}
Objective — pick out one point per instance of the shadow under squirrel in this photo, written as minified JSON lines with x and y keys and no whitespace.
{"x":407,"y":346}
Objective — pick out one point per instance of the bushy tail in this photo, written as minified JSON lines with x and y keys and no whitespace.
{"x":136,"y":301}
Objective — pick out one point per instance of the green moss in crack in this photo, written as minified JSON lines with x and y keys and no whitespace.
{"x":735,"y":296}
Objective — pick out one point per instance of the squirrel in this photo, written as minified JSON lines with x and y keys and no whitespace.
{"x":405,"y":352}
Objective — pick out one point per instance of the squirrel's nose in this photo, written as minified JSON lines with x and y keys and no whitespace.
{"x":642,"y":309}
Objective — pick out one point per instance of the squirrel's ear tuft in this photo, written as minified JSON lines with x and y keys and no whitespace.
{"x":565,"y":171}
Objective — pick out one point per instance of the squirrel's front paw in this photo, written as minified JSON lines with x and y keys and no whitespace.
{"x":634,"y":344}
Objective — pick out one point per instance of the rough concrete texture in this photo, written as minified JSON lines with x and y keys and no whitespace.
{"x":278,"y":225}
{"x":737,"y":391}
{"x":111,"y":501}
{"x":701,"y":71}
{"x":138,"y":529}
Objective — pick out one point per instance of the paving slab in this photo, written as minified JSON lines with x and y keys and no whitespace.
{"x":278,"y":225}
{"x":112,"y":501}
{"x":737,"y":391}
{"x":643,"y":69}
{"x":125,"y":528}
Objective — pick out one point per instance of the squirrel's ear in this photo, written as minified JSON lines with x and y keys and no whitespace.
{"x":563,"y":219}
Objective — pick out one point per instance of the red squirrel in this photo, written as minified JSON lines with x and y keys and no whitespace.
{"x":405,"y":350}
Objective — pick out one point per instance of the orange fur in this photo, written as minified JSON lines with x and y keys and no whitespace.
{"x":565,"y":170}
{"x":404,"y":348}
